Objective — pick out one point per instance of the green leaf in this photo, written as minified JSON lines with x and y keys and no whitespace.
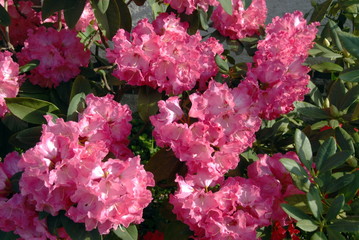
{"x":334,"y":29}
{"x":73,"y":14}
{"x":351,"y":190}
{"x":340,"y":183}
{"x":147,"y":102}
{"x":345,"y":226}
{"x":334,"y":235}
{"x":77,"y":230}
{"x":315,"y":94}
{"x":5,"y":19}
{"x":28,"y":67}
{"x":26,"y":138}
{"x":326,"y":52}
{"x":203,"y":19}
{"x":295,"y":213}
{"x":110,"y":21}
{"x":350,"y":43}
{"x":299,"y":201}
{"x":157,"y":7}
{"x":80,"y":85}
{"x":307,"y":225}
{"x":8,"y":235}
{"x":327,"y":67}
{"x":314,"y":202}
{"x":303,"y":148}
{"x":222,"y":64}
{"x":350,"y":75}
{"x":53,"y":223}
{"x":227,"y":6}
{"x":246,"y":3}
{"x":30,"y":109}
{"x":76,"y":106}
{"x":49,"y":7}
{"x":336,"y":93}
{"x":299,"y":175}
{"x":318,"y":236}
{"x":335,"y":207}
{"x":327,"y":149}
{"x":181,"y":230}
{"x":334,"y":161}
{"x":126,"y":19}
{"x":311,"y":111}
{"x":103,"y":5}
{"x":129,"y":233}
{"x":350,"y":97}
{"x":320,"y":11}
{"x":344,"y":140}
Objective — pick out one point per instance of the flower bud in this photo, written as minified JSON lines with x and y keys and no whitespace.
{"x":326,"y":42}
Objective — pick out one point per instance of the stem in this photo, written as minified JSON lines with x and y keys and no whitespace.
{"x":6,"y":35}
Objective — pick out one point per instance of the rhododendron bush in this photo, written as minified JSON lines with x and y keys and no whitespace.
{"x":215,"y":148}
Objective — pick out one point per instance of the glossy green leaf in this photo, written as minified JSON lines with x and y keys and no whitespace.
{"x":103,"y":5}
{"x":28,"y":137}
{"x":30,"y":109}
{"x":303,"y":148}
{"x":334,"y":161}
{"x":334,"y":235}
{"x":351,"y":190}
{"x":326,"y":52}
{"x":147,"y":102}
{"x":327,"y":149}
{"x":53,"y":223}
{"x":350,"y":97}
{"x":227,"y":6}
{"x":203,"y":19}
{"x":350,"y":43}
{"x":49,"y":7}
{"x":299,"y":201}
{"x":340,"y":183}
{"x":29,"y":66}
{"x":126,"y":18}
{"x":336,"y":93}
{"x":8,"y":236}
{"x":345,"y":226}
{"x":246,"y":3}
{"x":299,"y":175}
{"x":318,"y":236}
{"x":5,"y":19}
{"x":129,"y":233}
{"x":76,"y":106}
{"x":307,"y":225}
{"x":80,"y":85}
{"x":334,"y":29}
{"x":327,"y":67}
{"x":222,"y":64}
{"x":311,"y":111}
{"x":110,"y":21}
{"x":335,"y":207}
{"x":315,"y":94}
{"x":350,"y":75}
{"x":295,"y":213}
{"x":157,"y":7}
{"x":320,"y":11}
{"x":344,"y":140}
{"x":314,"y":202}
{"x":73,"y":14}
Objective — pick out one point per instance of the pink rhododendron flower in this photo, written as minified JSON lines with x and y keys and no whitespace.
{"x":23,"y":18}
{"x":162,"y":55}
{"x":278,"y":64}
{"x":9,"y":80}
{"x":68,"y":170}
{"x":243,"y":22}
{"x":188,"y":6}
{"x":60,"y":54}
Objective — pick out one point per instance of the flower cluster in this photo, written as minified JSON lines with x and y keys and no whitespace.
{"x":190,"y":6}
{"x":70,"y":169}
{"x":23,"y":18}
{"x":234,"y":208}
{"x":9,"y":80}
{"x":225,"y":126}
{"x":162,"y":55}
{"x":17,"y":212}
{"x":61,"y":54}
{"x":243,"y":22}
{"x":278,"y":64}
